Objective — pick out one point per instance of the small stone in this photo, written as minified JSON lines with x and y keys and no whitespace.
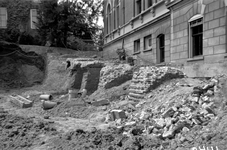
{"x":185,"y":129}
{"x":160,"y":122}
{"x":46,"y":117}
{"x":195,"y":99}
{"x":169,"y":133}
{"x":210,"y":111}
{"x":209,"y":93}
{"x":132,"y":123}
{"x":168,"y":121}
{"x":137,"y":131}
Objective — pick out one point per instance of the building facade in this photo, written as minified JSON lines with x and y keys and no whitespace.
{"x":187,"y":33}
{"x":20,"y":15}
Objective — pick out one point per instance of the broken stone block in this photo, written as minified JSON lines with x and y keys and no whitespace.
{"x":180,"y":125}
{"x":101,"y":102}
{"x":169,"y":133}
{"x":209,"y":93}
{"x":197,"y":90}
{"x":21,"y":101}
{"x":118,"y":114}
{"x":168,"y":121}
{"x":160,"y":123}
{"x":208,"y":86}
{"x":132,"y":123}
{"x":169,"y":113}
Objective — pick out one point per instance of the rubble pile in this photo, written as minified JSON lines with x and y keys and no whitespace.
{"x":172,"y":124}
{"x":114,"y":74}
{"x":147,"y":78}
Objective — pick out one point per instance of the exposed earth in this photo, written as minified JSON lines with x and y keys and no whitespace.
{"x":164,"y":110}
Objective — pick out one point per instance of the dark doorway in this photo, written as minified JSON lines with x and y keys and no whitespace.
{"x":161,"y":48}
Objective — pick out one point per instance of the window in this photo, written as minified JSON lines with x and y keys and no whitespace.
{"x":33,"y":13}
{"x":117,"y":4}
{"x":3,"y":17}
{"x":108,"y":19}
{"x":123,"y":11}
{"x":161,"y":48}
{"x":136,"y":46}
{"x":196,"y":36}
{"x":149,"y":3}
{"x":138,"y":6}
{"x":147,"y":42}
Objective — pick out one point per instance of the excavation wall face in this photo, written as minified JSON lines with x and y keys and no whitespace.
{"x":18,"y":68}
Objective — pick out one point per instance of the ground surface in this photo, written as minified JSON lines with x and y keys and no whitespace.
{"x":73,"y":125}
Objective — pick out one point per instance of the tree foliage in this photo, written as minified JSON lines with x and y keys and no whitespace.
{"x":57,"y":21}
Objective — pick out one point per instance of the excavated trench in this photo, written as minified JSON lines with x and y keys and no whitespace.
{"x":18,"y":68}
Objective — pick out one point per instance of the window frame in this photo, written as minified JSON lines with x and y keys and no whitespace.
{"x":195,"y":19}
{"x":138,"y":7}
{"x":33,"y":26}
{"x":6,"y":17}
{"x":136,"y":46}
{"x":149,"y":39}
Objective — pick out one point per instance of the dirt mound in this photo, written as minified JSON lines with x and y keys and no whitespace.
{"x":71,"y":109}
{"x":108,"y":140}
{"x":18,"y":68}
{"x":21,"y":133}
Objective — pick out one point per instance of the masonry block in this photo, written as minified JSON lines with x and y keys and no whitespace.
{"x":219,"y":49}
{"x":208,"y":33}
{"x":213,"y":41}
{"x":219,"y":13}
{"x":184,"y":54}
{"x":118,"y":114}
{"x":184,"y":40}
{"x":222,"y":39}
{"x":222,"y":21}
{"x":180,"y":48}
{"x":101,"y":102}
{"x":183,"y":25}
{"x":205,"y":42}
{"x":186,"y":32}
{"x":209,"y":16}
{"x":180,"y":34}
{"x":214,"y":6}
{"x":205,"y":26}
{"x":208,"y":50}
{"x":20,"y":101}
{"x":175,"y":56}
{"x":214,"y":24}
{"x":219,"y":31}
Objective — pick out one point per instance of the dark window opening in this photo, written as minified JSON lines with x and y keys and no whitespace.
{"x":197,"y":40}
{"x":136,"y":46}
{"x":139,"y":5}
{"x":161,"y":48}
{"x":149,"y":3}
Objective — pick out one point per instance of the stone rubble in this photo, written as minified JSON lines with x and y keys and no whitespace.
{"x":175,"y":121}
{"x":114,"y":74}
{"x":147,"y":78}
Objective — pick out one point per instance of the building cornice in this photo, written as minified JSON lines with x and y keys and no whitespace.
{"x":139,"y":28}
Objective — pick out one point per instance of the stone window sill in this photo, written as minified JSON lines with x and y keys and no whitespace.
{"x":147,"y":50}
{"x":135,"y":53}
{"x":197,"y":58}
